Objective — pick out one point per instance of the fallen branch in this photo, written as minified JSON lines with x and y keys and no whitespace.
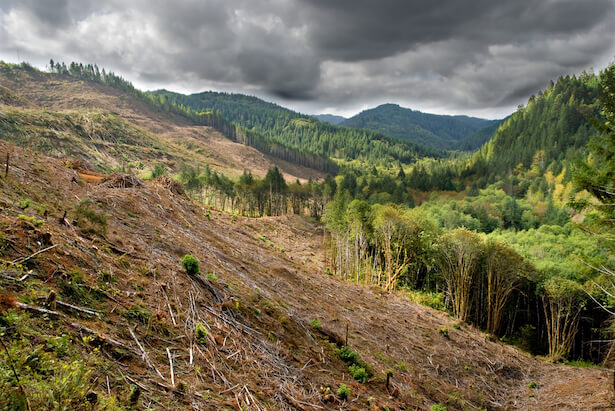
{"x":228,"y":389}
{"x":145,"y":356}
{"x":20,"y":279}
{"x":135,"y":382}
{"x":104,"y":294}
{"x":24,"y":259}
{"x":39,"y":310}
{"x":74,"y":307}
{"x":171,"y":366}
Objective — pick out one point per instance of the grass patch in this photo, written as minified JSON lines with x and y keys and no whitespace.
{"x":582,"y":364}
{"x":401,"y":367}
{"x":138,"y":313}
{"x":90,"y":220}
{"x":73,"y":287}
{"x":31,"y":221}
{"x":55,"y":371}
{"x":316,"y":324}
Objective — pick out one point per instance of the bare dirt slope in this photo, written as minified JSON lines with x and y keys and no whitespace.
{"x":205,"y":145}
{"x":266,"y":286}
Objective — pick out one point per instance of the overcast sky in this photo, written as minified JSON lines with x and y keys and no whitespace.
{"x":481,"y":57}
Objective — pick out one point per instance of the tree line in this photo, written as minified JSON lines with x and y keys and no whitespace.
{"x":253,"y":197}
{"x":487,"y":280}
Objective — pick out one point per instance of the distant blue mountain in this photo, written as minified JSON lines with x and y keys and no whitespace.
{"x":432,"y":130}
{"x":330,"y":118}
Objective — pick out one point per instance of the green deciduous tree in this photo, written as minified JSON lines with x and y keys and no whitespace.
{"x":459,"y":254}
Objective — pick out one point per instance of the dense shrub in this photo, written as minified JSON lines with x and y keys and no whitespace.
{"x":343,"y":391}
{"x":348,"y":355}
{"x":358,"y":373}
{"x":190,"y":264}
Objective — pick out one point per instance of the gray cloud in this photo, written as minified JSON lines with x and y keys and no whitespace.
{"x":481,"y":56}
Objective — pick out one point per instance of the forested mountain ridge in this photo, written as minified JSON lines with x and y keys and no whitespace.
{"x":432,"y":130}
{"x":555,"y":123}
{"x":303,"y":132}
{"x":477,"y":139}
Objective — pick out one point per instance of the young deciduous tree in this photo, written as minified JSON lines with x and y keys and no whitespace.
{"x":393,"y":231}
{"x":358,"y":216}
{"x":459,"y":254}
{"x":563,"y":300}
{"x":504,"y":270}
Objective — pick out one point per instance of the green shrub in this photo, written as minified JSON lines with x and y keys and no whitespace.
{"x":438,"y":407}
{"x":138,"y":313}
{"x":201,"y":333}
{"x":358,"y":373}
{"x":457,"y":326}
{"x":444,"y":331}
{"x":316,"y":324}
{"x":212,"y":277}
{"x":72,"y":286}
{"x":532,"y":385}
{"x":427,"y":298}
{"x":343,"y":392}
{"x":159,"y":170}
{"x":190,"y":264}
{"x":401,"y":366}
{"x":348,"y":355}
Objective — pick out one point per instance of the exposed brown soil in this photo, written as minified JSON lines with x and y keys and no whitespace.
{"x":261,"y":349}
{"x":62,"y":93}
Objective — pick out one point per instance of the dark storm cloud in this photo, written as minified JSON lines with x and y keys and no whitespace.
{"x":451,"y":55}
{"x":366,"y":29}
